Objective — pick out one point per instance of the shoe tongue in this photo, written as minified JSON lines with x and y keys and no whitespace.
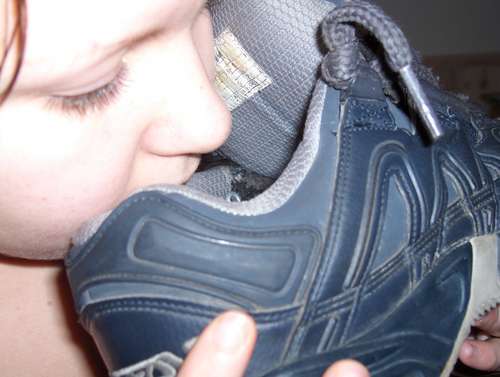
{"x":268,"y":54}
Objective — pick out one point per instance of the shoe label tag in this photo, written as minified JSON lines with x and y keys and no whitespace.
{"x":238,"y":76}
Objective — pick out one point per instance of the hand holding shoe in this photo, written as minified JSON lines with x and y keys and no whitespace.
{"x":484,"y":353}
{"x":225,"y":348}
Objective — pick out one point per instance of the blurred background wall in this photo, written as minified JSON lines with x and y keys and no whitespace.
{"x":459,"y":39}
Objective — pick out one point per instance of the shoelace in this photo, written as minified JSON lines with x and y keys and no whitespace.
{"x":342,"y":62}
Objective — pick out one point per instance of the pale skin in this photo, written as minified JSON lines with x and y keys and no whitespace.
{"x":484,"y":354}
{"x":67,"y":155}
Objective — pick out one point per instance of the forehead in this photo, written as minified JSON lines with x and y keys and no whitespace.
{"x":73,"y":35}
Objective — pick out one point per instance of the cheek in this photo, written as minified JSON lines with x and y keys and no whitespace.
{"x":53,"y":179}
{"x":41,"y":212}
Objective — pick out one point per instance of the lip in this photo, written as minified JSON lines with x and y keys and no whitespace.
{"x":196,"y":158}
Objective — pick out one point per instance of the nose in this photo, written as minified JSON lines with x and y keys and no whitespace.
{"x":189,"y":116}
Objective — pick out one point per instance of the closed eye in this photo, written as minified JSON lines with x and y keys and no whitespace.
{"x":94,"y":101}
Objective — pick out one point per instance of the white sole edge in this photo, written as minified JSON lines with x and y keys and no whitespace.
{"x":484,"y":290}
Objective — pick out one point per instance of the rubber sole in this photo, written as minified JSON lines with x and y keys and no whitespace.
{"x":485,"y":290}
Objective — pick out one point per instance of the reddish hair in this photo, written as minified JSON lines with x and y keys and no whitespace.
{"x":14,"y":43}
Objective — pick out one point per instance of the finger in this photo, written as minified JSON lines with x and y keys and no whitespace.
{"x":347,"y":368}
{"x":481,"y":355}
{"x":490,"y":323}
{"x":223,"y":349}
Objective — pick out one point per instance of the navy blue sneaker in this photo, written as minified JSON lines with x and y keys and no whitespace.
{"x":378,"y":240}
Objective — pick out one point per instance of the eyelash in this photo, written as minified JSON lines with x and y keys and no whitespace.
{"x":93,"y":101}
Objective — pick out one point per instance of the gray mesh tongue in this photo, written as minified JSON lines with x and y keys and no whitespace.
{"x":216,"y":181}
{"x":281,"y":37}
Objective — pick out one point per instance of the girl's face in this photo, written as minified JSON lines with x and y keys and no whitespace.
{"x":113,"y":95}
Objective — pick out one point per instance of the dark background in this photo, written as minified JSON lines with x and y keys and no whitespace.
{"x":459,"y":39}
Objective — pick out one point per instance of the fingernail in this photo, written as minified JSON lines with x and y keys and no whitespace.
{"x":232,"y":332}
{"x":482,"y":337}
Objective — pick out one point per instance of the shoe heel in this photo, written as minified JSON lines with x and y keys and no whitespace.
{"x":485,"y":289}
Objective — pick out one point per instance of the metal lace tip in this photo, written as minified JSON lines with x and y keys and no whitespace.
{"x":422,"y":103}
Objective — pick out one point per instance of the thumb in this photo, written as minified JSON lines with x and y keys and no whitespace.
{"x":347,"y":368}
{"x":482,"y":355}
{"x":223,"y":349}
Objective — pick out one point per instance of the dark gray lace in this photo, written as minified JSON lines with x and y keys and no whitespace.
{"x":342,"y":62}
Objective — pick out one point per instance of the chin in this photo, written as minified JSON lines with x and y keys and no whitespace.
{"x":39,"y":254}
{"x":41,"y":249}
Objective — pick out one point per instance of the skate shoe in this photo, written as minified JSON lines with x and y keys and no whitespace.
{"x":377,"y":239}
